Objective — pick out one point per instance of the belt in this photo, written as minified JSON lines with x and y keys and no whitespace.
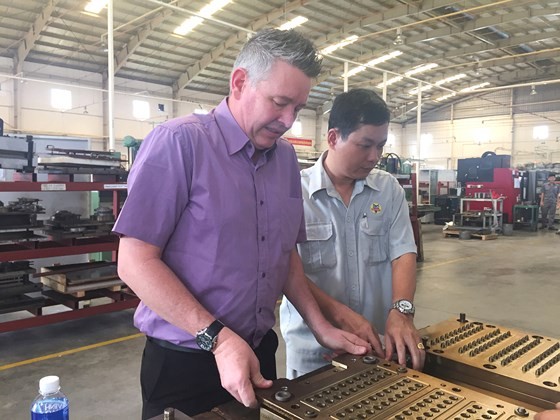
{"x":170,"y":346}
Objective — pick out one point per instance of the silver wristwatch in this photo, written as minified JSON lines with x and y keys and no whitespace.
{"x":404,"y":306}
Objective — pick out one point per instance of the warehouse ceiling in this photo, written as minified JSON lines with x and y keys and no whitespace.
{"x":466,"y":43}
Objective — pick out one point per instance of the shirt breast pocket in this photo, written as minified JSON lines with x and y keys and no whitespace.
{"x":319,"y":251}
{"x":373,"y":240}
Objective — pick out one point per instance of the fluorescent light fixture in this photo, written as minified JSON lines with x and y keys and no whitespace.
{"x":95,"y":6}
{"x":444,"y":97}
{"x":450,"y":79}
{"x":438,"y":83}
{"x":424,"y":88}
{"x":421,"y":69}
{"x":291,"y":24}
{"x":390,"y":81}
{"x":338,"y":45}
{"x":475,"y":87}
{"x":374,"y":62}
{"x":189,"y":24}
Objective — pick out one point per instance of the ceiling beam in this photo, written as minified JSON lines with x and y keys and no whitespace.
{"x":33,"y":34}
{"x":397,"y":12}
{"x":138,"y":38}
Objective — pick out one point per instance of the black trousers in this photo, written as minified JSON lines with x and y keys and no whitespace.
{"x":190,"y":382}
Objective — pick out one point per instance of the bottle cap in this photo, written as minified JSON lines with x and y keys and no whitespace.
{"x":49,"y":385}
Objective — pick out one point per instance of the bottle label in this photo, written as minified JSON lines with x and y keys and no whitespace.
{"x":49,"y":410}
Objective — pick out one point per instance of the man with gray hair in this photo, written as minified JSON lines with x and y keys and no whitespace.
{"x":208,"y":236}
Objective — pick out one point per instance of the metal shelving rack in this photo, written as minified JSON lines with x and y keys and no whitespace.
{"x":37,"y":249}
{"x":491,"y":219}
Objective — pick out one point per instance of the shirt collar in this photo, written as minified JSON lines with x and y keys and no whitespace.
{"x":319,"y":179}
{"x":235,"y":138}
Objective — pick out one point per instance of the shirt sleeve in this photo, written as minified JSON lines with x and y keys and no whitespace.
{"x":158,"y":188}
{"x":401,"y":237}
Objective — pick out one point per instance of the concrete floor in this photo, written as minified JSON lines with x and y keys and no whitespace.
{"x":512,"y":281}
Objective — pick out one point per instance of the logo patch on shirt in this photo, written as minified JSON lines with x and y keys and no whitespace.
{"x":375,"y":208}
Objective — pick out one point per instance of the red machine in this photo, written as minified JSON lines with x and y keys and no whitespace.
{"x":506,"y":184}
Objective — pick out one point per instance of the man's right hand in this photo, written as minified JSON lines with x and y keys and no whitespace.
{"x":239,"y":368}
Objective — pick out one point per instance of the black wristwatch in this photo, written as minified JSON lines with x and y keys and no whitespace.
{"x":206,"y":338}
{"x":404,"y":307}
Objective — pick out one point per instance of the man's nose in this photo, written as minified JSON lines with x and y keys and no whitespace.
{"x":288,"y":117}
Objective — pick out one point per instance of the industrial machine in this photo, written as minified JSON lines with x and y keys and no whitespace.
{"x":370,"y":388}
{"x":474,"y":370}
{"x":17,"y":152}
{"x":513,"y":363}
{"x":490,"y":177}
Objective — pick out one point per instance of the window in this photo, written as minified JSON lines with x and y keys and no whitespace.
{"x":140,"y":109}
{"x":482,"y":135}
{"x":61,"y":99}
{"x":297,"y":128}
{"x":426,"y":139}
{"x":540,"y":132}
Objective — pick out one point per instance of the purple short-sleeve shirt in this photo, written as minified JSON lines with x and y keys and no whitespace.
{"x":226,"y":226}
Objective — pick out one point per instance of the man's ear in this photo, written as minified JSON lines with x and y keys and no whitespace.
{"x":333,"y":137}
{"x":238,"y":82}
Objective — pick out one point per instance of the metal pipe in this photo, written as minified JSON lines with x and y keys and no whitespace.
{"x":111,"y":75}
{"x":346,"y":76}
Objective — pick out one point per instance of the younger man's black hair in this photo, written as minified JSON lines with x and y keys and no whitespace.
{"x":355,"y":107}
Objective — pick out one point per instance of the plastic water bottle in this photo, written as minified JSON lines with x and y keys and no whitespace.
{"x":50,"y":404}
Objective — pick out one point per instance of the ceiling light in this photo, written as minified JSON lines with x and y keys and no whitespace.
{"x":390,"y":81}
{"x":444,"y":97}
{"x":475,"y":87}
{"x":533,"y":90}
{"x":338,"y":45}
{"x":424,"y":88}
{"x":374,"y":62}
{"x":399,"y":40}
{"x":450,"y":79}
{"x":421,"y":69}
{"x":95,"y":6}
{"x":189,"y":24}
{"x":291,"y":24}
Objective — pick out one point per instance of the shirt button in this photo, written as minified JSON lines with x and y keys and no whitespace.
{"x":263,"y":275}
{"x":351,"y":253}
{"x":262,"y":202}
{"x":348,"y":219}
{"x":262,"y":238}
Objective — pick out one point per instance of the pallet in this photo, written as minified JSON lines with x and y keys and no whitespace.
{"x":477,"y":235}
{"x":79,"y":290}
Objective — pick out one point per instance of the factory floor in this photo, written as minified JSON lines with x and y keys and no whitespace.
{"x":511,"y":281}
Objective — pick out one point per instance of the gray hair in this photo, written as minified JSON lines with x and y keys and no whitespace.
{"x":261,"y":51}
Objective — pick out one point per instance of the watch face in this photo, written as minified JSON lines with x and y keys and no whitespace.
{"x":205,"y":342}
{"x":405,"y":305}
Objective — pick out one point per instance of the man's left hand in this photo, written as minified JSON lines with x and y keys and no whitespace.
{"x":401,"y":336}
{"x":341,"y":342}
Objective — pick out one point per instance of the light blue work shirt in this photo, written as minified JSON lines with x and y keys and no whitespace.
{"x":348,"y":253}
